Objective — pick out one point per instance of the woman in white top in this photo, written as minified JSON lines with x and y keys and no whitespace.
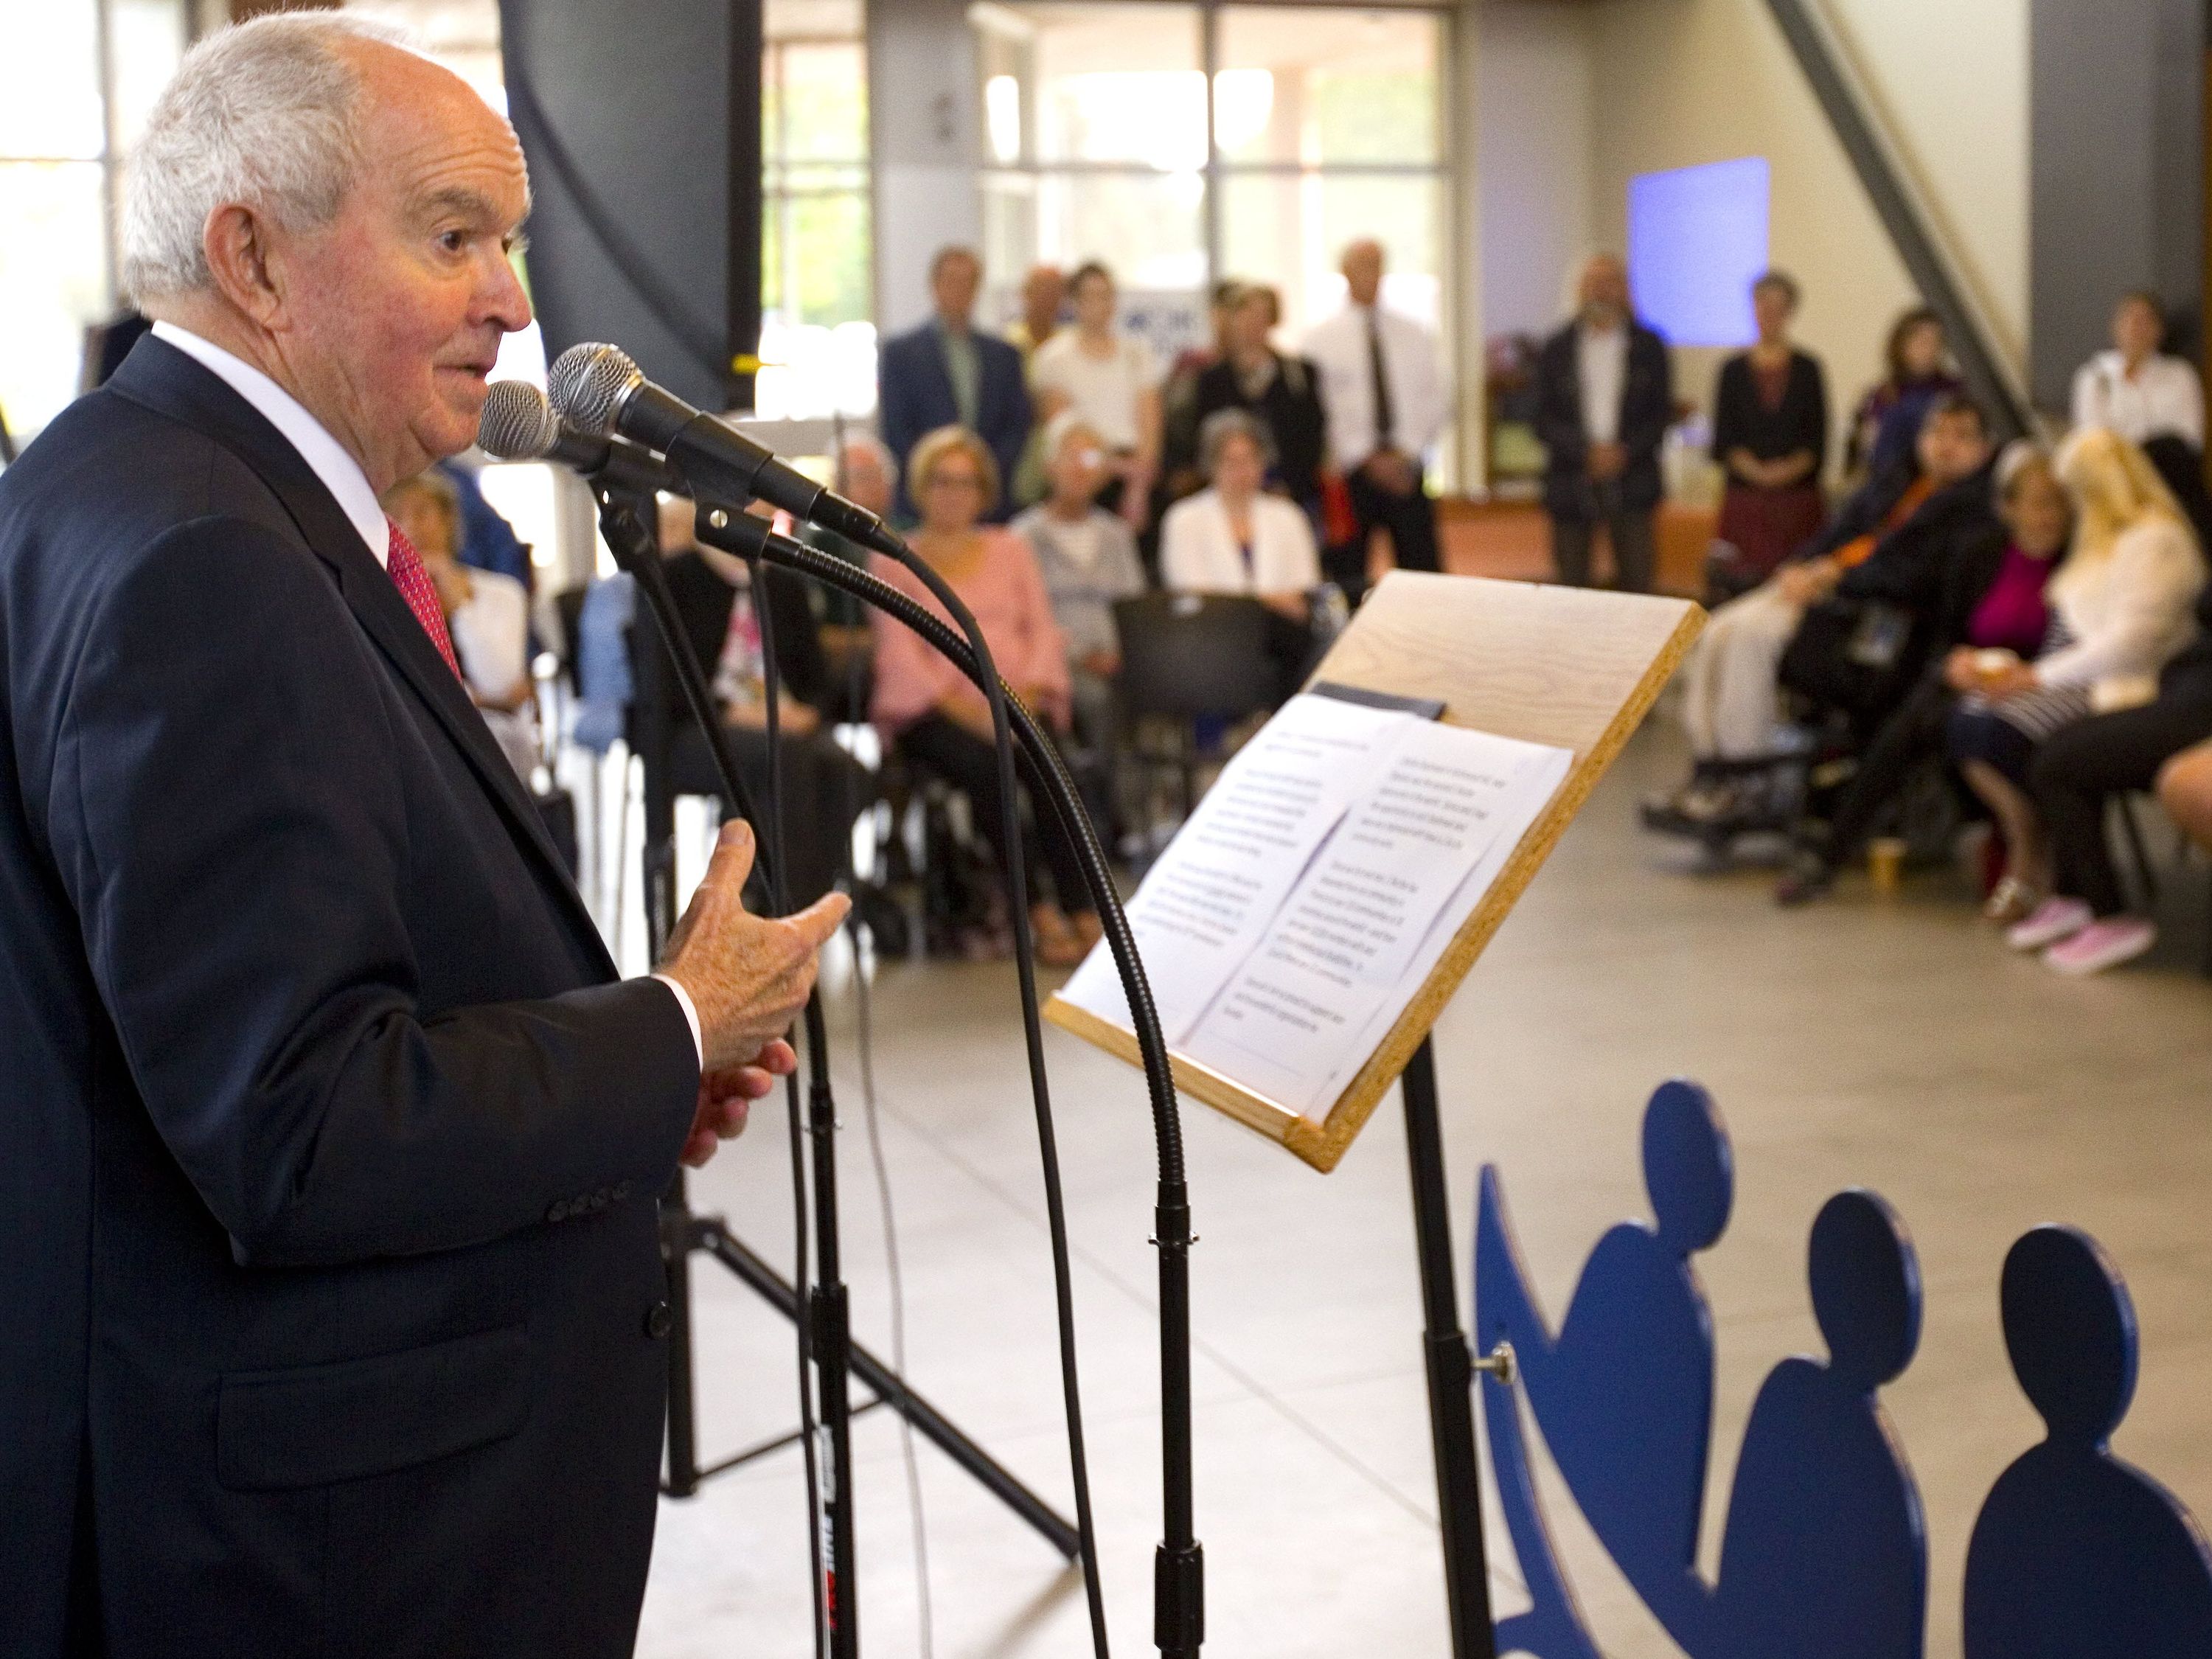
{"x":1111,"y":381}
{"x":1233,"y":537}
{"x":2134,"y":389}
{"x":487,"y":614}
{"x":2121,"y":606}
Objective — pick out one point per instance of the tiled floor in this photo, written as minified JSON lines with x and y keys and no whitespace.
{"x":1892,"y":1044}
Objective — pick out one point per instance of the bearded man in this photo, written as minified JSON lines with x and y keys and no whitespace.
{"x":330,"y":1312}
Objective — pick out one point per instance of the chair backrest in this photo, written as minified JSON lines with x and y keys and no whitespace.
{"x":1189,"y":654}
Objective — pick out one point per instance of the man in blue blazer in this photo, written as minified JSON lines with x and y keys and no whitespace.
{"x":946,"y":373}
{"x":330,"y":1315}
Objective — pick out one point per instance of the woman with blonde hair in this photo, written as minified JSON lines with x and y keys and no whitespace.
{"x":936,"y":716}
{"x":2120,"y":610}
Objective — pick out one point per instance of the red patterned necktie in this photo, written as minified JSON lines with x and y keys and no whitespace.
{"x":415,"y":587}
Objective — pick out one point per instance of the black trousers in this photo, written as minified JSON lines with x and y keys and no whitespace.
{"x":823,"y":791}
{"x":1635,"y":548}
{"x":1411,"y":522}
{"x":1906,"y":739}
{"x":2080,"y":764}
{"x":936,"y":745}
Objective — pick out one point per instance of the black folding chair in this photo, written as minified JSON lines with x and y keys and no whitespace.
{"x":1191,"y":661}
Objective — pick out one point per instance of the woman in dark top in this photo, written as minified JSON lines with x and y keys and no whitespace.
{"x":1283,"y":391}
{"x":1989,"y":597}
{"x":1887,"y":420}
{"x":1770,"y":436}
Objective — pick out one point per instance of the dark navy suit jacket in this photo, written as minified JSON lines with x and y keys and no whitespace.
{"x":913,"y":398}
{"x":329,"y":1140}
{"x":1647,"y":407}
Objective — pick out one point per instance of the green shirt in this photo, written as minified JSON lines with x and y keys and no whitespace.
{"x":963,"y":368}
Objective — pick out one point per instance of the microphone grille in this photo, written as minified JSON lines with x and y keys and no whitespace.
{"x":517,"y":424}
{"x":589,"y":382}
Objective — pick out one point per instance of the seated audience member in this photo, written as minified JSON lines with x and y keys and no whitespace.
{"x":1992,"y":600}
{"x":1731,"y":703}
{"x":1283,"y":391}
{"x":1111,"y":379}
{"x":866,"y":474}
{"x":936,"y":717}
{"x":1088,"y":558}
{"x":947,"y":372}
{"x":487,"y":614}
{"x":1770,"y":438}
{"x":1233,"y":536}
{"x":1884,"y":425}
{"x":2113,"y":700}
{"x":2136,"y":389}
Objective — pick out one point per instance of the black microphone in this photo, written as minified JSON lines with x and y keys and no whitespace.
{"x":599,"y":390}
{"x":518,"y":424}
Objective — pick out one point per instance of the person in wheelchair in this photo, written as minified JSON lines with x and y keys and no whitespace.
{"x":931,"y":713}
{"x":1990,"y":604}
{"x":1844,"y":624}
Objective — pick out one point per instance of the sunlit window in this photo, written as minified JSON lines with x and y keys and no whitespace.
{"x":1326,"y":125}
{"x":82,"y":75}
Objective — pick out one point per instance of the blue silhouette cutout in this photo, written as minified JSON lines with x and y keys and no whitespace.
{"x":1623,"y":1396}
{"x":1824,"y":1551}
{"x":2076,"y":1552}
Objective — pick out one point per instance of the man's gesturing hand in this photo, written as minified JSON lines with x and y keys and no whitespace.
{"x":747,"y":976}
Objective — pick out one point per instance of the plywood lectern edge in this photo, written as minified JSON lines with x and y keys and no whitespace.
{"x":1566,"y":666}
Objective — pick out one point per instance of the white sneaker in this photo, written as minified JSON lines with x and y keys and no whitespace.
{"x":2057,"y":917}
{"x":2102,"y":945}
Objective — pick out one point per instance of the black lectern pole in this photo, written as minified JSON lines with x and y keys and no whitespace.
{"x":1450,"y":1368}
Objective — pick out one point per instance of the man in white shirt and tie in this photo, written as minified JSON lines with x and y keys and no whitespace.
{"x":1387,"y":395}
{"x":1604,"y":397}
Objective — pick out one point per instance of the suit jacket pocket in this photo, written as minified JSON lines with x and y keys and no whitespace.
{"x":319,"y":1424}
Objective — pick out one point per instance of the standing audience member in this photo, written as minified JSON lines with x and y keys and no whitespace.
{"x":488,"y":540}
{"x":1044,"y":291}
{"x":487,"y":615}
{"x":1181,"y":475}
{"x":1991,"y":598}
{"x":934,"y":714}
{"x":1282,"y":391}
{"x":1384,"y":385}
{"x":1604,"y":397}
{"x":946,"y":373}
{"x":2136,"y":389}
{"x":2123,"y":603}
{"x":1770,"y":438}
{"x":1886,"y":422}
{"x":1111,"y":379}
{"x":1088,"y":559}
{"x":1731,"y":686}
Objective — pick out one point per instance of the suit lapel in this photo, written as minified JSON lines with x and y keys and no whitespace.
{"x":161,"y":378}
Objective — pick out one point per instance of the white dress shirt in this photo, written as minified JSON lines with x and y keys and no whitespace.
{"x":2163,"y":395}
{"x":1199,"y":553}
{"x":348,"y":486}
{"x":1412,"y":361}
{"x":1601,"y":367}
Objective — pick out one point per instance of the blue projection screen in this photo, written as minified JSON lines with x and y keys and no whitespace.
{"x":1697,"y":237}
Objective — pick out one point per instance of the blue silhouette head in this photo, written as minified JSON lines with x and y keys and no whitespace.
{"x":1866,"y":1289}
{"x":1687,"y":1167}
{"x":2070,"y":1329}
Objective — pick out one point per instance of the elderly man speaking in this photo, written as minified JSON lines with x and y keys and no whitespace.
{"x":330,"y":1316}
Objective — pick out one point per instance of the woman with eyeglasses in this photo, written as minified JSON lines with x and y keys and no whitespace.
{"x":935,"y":715}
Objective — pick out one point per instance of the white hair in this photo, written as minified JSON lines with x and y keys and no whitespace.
{"x":264,"y":114}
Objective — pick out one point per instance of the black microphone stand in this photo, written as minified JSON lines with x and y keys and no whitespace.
{"x":1178,"y":1565}
{"x":822,"y":1312}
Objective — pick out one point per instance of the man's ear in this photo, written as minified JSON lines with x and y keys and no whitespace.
{"x":237,"y":243}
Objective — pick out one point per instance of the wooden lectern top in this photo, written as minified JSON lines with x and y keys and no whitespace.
{"x":1571,"y":667}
